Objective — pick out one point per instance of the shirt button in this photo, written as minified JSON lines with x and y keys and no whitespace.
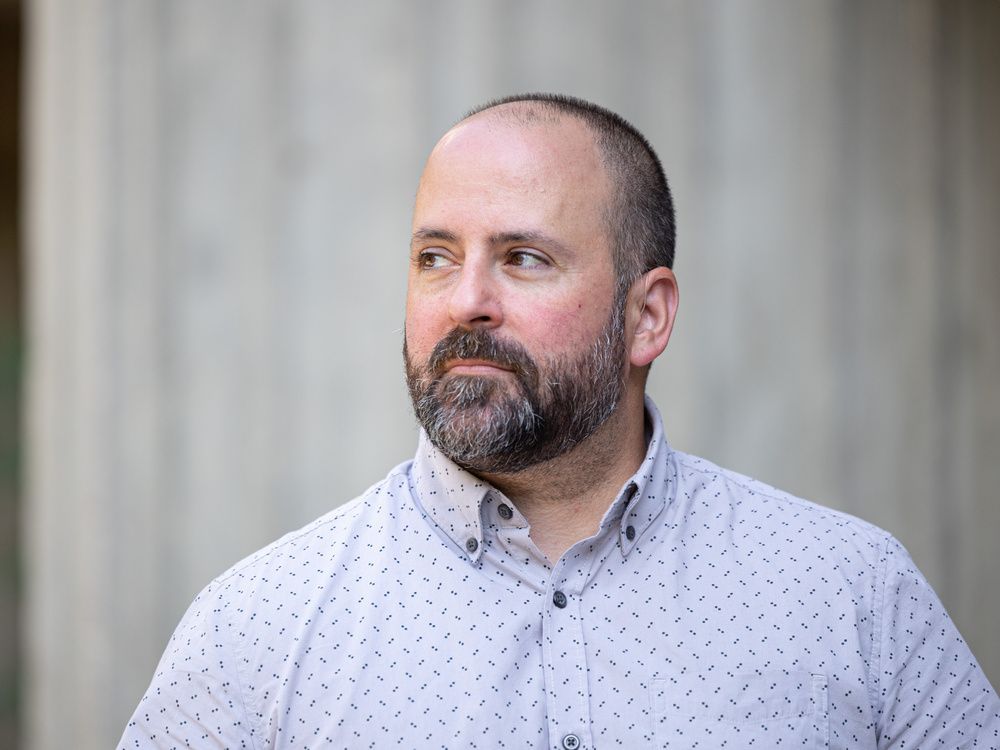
{"x":505,"y":512}
{"x":571,"y":742}
{"x":630,"y":533}
{"x":471,"y":544}
{"x":559,"y":599}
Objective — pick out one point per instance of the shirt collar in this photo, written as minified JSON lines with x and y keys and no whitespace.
{"x":647,"y":492}
{"x":453,"y":497}
{"x":450,"y":495}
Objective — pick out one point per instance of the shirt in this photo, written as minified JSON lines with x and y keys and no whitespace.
{"x":708,"y":611}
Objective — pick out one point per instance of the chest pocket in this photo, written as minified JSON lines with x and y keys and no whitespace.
{"x":768,"y":710}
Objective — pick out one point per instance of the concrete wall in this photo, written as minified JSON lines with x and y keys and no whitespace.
{"x":218,"y":224}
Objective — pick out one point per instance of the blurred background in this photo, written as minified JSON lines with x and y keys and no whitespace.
{"x":204,"y":220}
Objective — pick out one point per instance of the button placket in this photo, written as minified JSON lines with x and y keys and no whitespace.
{"x":565,"y":663}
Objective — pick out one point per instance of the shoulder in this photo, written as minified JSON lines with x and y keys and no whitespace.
{"x":321,"y":546}
{"x":755,"y":510}
{"x":309,"y":562}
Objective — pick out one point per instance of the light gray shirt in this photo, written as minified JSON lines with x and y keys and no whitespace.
{"x":708,"y":611}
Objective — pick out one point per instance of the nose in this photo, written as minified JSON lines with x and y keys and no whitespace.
{"x":475,"y":300}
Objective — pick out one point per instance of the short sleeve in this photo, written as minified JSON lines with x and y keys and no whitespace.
{"x":930,"y":691}
{"x":194,"y":699}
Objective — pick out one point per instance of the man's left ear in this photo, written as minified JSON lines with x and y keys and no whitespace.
{"x":652,"y":307}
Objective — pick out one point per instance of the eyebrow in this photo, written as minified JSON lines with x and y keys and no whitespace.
{"x":429,"y":233}
{"x":528,"y":237}
{"x":505,"y":238}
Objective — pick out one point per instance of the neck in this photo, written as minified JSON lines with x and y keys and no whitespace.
{"x":565,"y":498}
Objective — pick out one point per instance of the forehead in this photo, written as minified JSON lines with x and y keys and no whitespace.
{"x":547,"y":169}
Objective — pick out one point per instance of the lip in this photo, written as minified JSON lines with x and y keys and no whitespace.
{"x":474,"y":367}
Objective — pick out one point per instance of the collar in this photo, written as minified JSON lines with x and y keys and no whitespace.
{"x":453,"y":497}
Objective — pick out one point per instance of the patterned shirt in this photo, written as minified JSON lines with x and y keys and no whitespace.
{"x":708,"y":611}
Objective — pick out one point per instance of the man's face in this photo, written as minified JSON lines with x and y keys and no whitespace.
{"x":514,"y":349}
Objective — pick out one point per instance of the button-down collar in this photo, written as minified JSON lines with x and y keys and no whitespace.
{"x":454,"y":498}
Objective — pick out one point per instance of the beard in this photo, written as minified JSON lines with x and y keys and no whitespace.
{"x":508,"y":423}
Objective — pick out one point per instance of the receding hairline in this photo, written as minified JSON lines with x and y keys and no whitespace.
{"x":528,"y":116}
{"x":532,"y":113}
{"x":521,"y":111}
{"x":604,"y":125}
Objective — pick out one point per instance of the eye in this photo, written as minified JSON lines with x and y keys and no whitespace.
{"x":430,"y":259}
{"x":525,"y":259}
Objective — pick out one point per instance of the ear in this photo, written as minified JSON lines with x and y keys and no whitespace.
{"x":652,"y":307}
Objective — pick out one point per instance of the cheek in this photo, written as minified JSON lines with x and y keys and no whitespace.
{"x":565,"y":327}
{"x":424,"y":327}
{"x":419,"y":348}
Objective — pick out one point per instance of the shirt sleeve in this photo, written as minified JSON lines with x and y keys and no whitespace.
{"x":194,"y":699}
{"x":931,"y":692}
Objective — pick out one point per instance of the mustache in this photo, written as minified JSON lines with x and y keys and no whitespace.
{"x":479,"y":343}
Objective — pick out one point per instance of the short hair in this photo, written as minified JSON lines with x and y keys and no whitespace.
{"x":640,"y":218}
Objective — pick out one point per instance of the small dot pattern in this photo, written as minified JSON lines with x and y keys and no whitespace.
{"x":421,"y":614}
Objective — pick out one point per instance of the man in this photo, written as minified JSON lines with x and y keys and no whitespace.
{"x":547,"y":572}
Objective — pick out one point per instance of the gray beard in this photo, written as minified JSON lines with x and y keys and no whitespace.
{"x":495,"y":426}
